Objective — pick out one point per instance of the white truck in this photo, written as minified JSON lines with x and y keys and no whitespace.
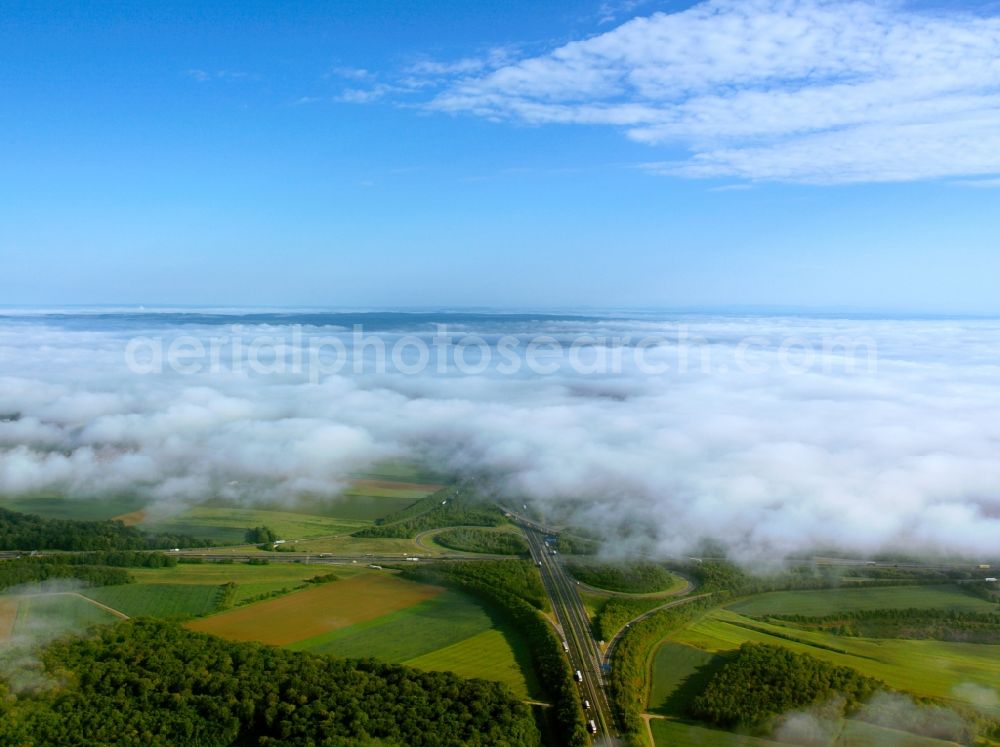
{"x":578,"y":676}
{"x":591,"y":726}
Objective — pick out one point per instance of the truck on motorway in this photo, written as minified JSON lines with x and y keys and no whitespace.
{"x":591,"y":726}
{"x":578,"y":676}
{"x":565,"y":647}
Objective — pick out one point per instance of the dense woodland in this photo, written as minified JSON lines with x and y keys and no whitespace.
{"x":513,"y":590}
{"x":152,"y":684}
{"x":762,"y":682}
{"x":634,"y":577}
{"x":30,"y":532}
{"x":472,"y":539}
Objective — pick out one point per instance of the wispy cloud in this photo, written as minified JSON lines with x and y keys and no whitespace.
{"x":789,"y":90}
{"x":206,"y":76}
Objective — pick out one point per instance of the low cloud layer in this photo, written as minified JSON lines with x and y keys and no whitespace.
{"x":814,"y":91}
{"x":779,"y":453}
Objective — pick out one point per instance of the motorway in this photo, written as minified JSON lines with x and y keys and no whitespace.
{"x":584,"y":653}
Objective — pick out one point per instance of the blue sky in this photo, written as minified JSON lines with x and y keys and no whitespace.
{"x":562,"y":154}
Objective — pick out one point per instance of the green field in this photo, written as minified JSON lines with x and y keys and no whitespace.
{"x":832,"y":601}
{"x":250,"y":580}
{"x":49,"y":615}
{"x":170,"y":601}
{"x":83,"y":509}
{"x":668,"y":733}
{"x":922,"y":667}
{"x":433,"y":632}
{"x":228,"y":525}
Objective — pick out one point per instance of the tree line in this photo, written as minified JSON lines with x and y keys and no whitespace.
{"x":17,"y":572}
{"x":19,"y":531}
{"x":935,"y":624}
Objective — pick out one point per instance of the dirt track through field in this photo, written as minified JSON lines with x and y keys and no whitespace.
{"x":304,"y":614}
{"x":8,"y":614}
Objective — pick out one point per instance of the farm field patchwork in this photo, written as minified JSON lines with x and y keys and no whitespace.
{"x":312,"y":612}
{"x":377,"y":614}
{"x":449,"y":632}
{"x":158,"y":600}
{"x":433,"y":623}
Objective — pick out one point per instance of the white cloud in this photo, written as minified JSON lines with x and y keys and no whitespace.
{"x":789,"y":90}
{"x":770,"y":462}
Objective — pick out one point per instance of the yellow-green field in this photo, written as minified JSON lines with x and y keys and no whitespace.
{"x":493,"y":654}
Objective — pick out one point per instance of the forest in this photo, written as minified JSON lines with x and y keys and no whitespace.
{"x":153,"y":684}
{"x":20,"y":531}
{"x":636,"y":577}
{"x":472,"y":539}
{"x":762,"y":681}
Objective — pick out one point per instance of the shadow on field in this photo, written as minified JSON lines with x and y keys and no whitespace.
{"x":676,"y":704}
